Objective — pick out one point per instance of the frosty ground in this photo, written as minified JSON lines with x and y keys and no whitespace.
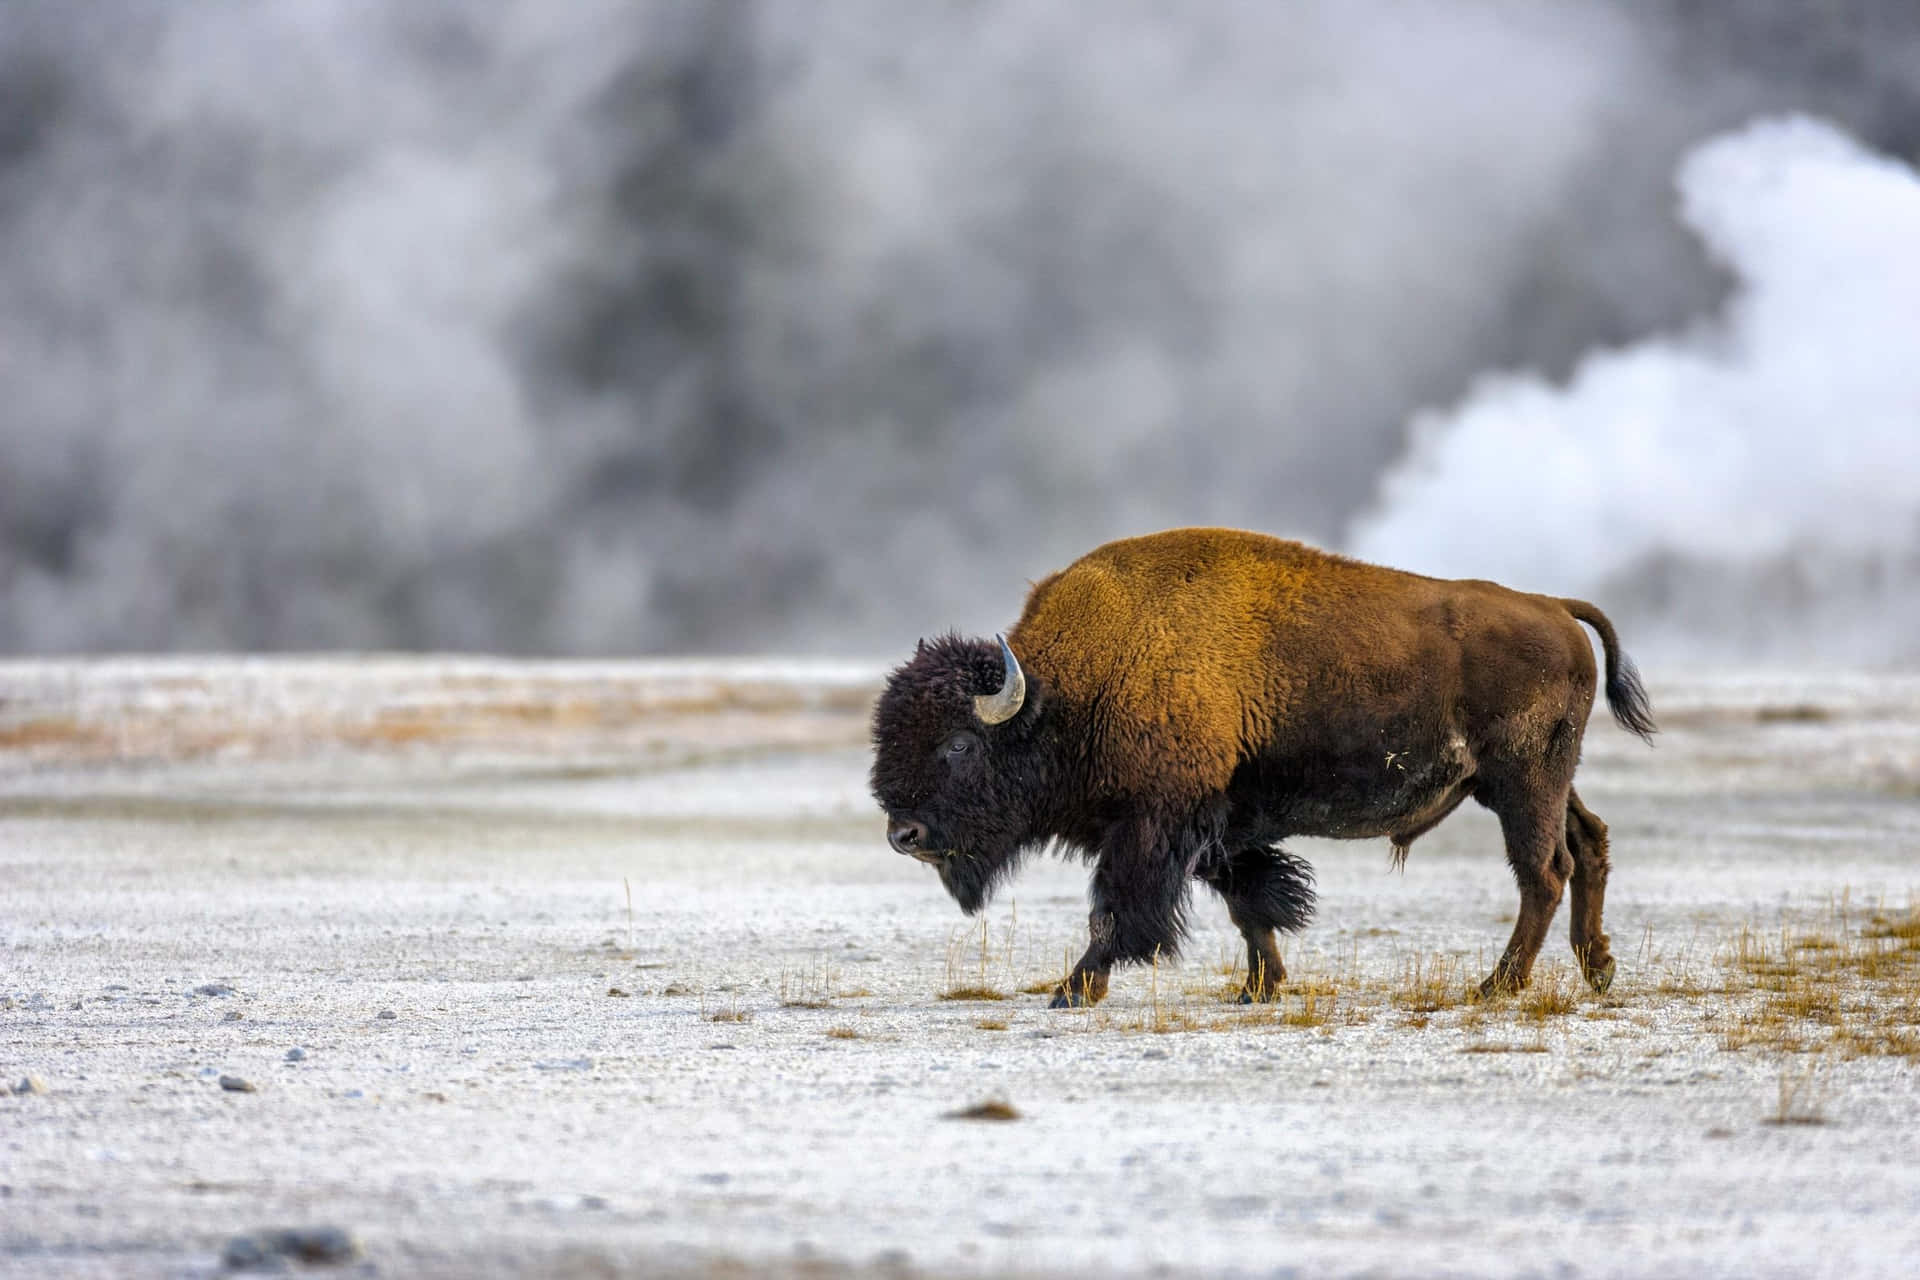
{"x":590,"y":970}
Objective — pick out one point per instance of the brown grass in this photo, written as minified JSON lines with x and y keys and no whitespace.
{"x":973,"y":964}
{"x":996,"y":1109}
{"x":1839,"y":982}
{"x":811,"y":988}
{"x":1551,"y":993}
{"x":1854,"y":990}
{"x":842,"y":1033}
{"x":1802,"y":1098}
{"x":1312,"y":1003}
{"x":1429,"y":984}
{"x":731,"y":1011}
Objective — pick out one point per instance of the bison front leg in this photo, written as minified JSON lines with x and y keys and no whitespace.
{"x":1087,"y":983}
{"x":1139,"y":895}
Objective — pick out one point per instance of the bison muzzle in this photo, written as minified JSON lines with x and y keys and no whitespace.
{"x":1174,"y":706}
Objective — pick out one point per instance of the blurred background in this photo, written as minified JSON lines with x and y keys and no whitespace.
{"x":737,"y":326}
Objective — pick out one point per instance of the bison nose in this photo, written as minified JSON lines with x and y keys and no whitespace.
{"x":907,"y":836}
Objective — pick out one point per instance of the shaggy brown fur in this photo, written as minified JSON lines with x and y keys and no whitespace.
{"x":1196,"y":696}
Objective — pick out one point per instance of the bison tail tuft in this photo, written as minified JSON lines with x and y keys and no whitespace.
{"x":1286,"y":896}
{"x":1625,"y":694}
{"x":1628,"y":698}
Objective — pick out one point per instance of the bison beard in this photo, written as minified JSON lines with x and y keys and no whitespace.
{"x":1181,"y":703}
{"x":972,"y":878}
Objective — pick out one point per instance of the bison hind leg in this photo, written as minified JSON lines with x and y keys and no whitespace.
{"x":1265,"y":888}
{"x":1587,"y":842}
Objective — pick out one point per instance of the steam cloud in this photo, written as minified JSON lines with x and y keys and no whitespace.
{"x":614,"y":327}
{"x":1761,"y":468}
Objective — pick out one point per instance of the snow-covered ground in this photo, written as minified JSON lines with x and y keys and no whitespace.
{"x":430,"y":878}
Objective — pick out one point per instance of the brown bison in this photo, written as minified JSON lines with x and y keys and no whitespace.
{"x":1175,"y":705}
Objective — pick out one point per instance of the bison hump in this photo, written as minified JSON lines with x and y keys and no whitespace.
{"x":1168,"y":648}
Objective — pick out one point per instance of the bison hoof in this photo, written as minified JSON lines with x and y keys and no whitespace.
{"x":1600,"y":977}
{"x":1501,"y":984}
{"x":1264,"y":995}
{"x":1079,"y":992}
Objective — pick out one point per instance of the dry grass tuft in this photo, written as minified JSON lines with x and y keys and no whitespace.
{"x":1312,"y":1003}
{"x":811,"y":988}
{"x":979,"y":968}
{"x":991,"y":1024}
{"x":731,"y":1011}
{"x":1802,"y":1098}
{"x":1429,"y":984}
{"x":1853,"y":990}
{"x":842,"y":1033}
{"x":992,"y":1109}
{"x":1551,"y":993}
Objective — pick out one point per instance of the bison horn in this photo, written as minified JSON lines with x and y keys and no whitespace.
{"x":1003,"y":705}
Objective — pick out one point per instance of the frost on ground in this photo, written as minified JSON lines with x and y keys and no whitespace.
{"x":603,"y":969}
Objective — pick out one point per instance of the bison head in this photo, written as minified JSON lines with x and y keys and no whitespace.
{"x":959,"y":762}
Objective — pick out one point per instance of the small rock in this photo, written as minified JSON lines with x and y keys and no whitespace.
{"x":30,"y":1084}
{"x":244,"y":1253}
{"x":232,"y":1015}
{"x":272,"y":1250}
{"x":235,"y":1084}
{"x":326,"y":1246}
{"x":991,"y":1109}
{"x":615,"y":991}
{"x":1155,"y":1053}
{"x":386,"y":1015}
{"x":213,"y":989}
{"x":296,"y":1055}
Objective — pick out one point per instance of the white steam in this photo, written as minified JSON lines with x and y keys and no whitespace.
{"x":628,"y":326}
{"x":1757,"y":477}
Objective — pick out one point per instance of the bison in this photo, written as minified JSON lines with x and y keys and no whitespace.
{"x":1173,"y":706}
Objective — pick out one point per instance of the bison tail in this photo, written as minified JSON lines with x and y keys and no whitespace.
{"x":1625,"y":694}
{"x":1287,"y":890}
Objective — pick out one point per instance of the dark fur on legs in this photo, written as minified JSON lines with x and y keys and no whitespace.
{"x":1265,"y":889}
{"x":1139,"y":895}
{"x":1587,"y":842}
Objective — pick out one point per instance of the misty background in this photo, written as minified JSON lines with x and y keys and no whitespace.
{"x":736,"y":326}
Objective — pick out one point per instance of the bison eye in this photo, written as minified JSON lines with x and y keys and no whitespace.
{"x":959,"y":745}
